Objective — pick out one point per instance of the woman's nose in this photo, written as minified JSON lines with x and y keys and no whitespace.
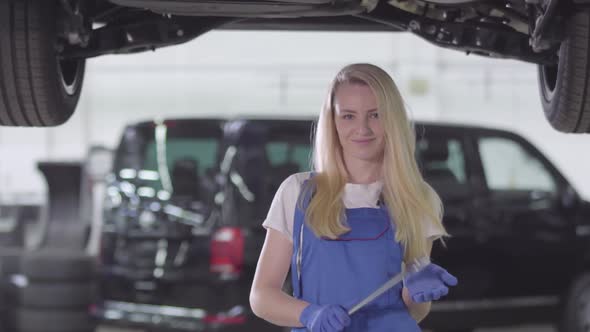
{"x":363,"y":127}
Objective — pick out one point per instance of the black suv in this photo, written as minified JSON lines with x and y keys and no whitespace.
{"x":520,"y":240}
{"x":182,"y":229}
{"x":45,"y":43}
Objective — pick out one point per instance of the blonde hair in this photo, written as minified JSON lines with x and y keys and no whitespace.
{"x":410,"y":200}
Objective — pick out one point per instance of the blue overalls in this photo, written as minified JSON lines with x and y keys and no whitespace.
{"x":346,"y":270}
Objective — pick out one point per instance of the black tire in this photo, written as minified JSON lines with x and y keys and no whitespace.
{"x":58,"y":266}
{"x":577,"y":305}
{"x":73,"y":295}
{"x":5,"y":322}
{"x":565,"y":87}
{"x":9,"y":265}
{"x":259,"y":325}
{"x":9,"y":261}
{"x":29,"y":320}
{"x":36,"y":89}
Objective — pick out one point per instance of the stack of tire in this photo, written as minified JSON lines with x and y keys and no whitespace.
{"x":52,"y":291}
{"x":9,"y":266}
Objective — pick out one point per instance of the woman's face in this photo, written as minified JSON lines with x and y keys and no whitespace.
{"x":357,"y":122}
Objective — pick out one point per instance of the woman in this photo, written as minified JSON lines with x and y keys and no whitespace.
{"x":346,"y":228}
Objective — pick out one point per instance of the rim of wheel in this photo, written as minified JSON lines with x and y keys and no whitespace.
{"x":69,"y":73}
{"x":549,"y":77}
{"x":69,"y":69}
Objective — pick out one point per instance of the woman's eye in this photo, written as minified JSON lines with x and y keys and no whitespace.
{"x":374,"y":115}
{"x":347,"y":116}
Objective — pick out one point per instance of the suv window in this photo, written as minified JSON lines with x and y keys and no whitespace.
{"x":200,"y":152}
{"x":286,"y":152}
{"x":443,"y":166}
{"x":508,"y":165}
{"x":267,"y":152}
{"x":189,"y":148}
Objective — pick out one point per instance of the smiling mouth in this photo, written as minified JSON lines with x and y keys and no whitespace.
{"x":363,"y":141}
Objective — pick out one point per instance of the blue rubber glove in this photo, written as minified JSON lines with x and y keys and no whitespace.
{"x":430,"y":283}
{"x":326,"y":318}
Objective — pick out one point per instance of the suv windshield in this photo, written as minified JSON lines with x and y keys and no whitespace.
{"x":169,"y":158}
{"x":266,"y":153}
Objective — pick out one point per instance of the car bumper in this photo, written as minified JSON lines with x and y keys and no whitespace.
{"x":168,"y":317}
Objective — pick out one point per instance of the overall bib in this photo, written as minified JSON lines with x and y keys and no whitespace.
{"x":346,"y":270}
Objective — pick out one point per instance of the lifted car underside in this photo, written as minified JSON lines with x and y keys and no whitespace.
{"x":482,"y":27}
{"x":554,"y":34}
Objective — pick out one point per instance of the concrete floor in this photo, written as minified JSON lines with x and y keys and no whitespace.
{"x":532,"y":328}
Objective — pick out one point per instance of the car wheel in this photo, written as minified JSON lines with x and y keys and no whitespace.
{"x":55,"y":295}
{"x":260,"y":325}
{"x":37,"y":89}
{"x":564,"y":87}
{"x":58,"y":266}
{"x":576,"y":316}
{"x":33,"y":320}
{"x":9,"y":261}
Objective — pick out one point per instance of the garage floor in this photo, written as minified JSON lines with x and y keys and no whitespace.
{"x":531,"y":328}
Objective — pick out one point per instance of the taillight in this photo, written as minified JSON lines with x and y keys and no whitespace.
{"x":227,"y":252}
{"x":224,"y":320}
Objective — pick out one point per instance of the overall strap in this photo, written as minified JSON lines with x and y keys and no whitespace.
{"x":305,"y":198}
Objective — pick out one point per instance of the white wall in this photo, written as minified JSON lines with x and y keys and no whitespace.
{"x":224,"y":73}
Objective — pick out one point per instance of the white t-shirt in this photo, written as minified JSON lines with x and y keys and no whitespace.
{"x":282,"y":210}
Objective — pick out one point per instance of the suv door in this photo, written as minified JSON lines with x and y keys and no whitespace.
{"x":445,"y":162}
{"x":528,"y":232}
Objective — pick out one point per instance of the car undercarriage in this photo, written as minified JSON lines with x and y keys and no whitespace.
{"x":554,"y":34}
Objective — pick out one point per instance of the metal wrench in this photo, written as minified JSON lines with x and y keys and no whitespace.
{"x":418,"y":265}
